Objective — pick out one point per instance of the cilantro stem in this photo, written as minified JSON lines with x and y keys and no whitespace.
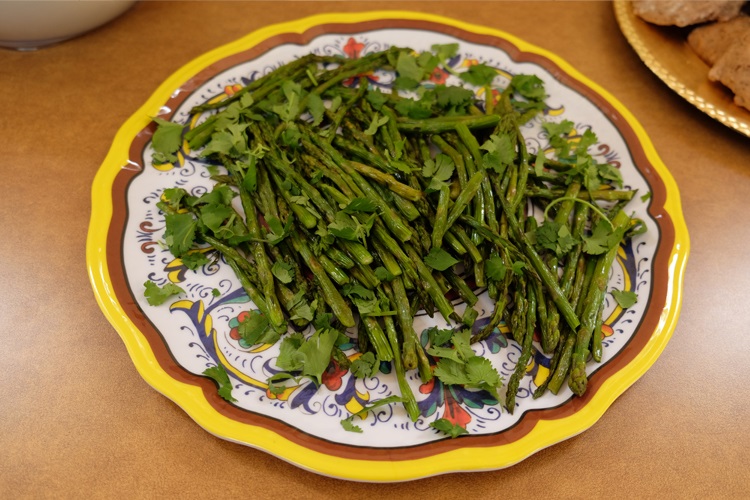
{"x":578,"y":200}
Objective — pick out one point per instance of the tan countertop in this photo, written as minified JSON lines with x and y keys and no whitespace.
{"x":77,"y":419}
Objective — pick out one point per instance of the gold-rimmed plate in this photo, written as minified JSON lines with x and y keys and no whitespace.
{"x":665,"y":51}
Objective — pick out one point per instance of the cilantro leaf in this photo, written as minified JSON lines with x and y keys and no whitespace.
{"x":220,"y":376}
{"x":219,"y":195}
{"x":625,"y":299}
{"x":517,"y":267}
{"x":558,"y":136}
{"x":291,"y":135}
{"x":346,"y":227}
{"x":483,"y":375}
{"x":445,"y":353}
{"x":363,"y":298}
{"x":156,"y":295}
{"x":230,"y":141}
{"x":278,"y":232}
{"x":375,"y":124}
{"x":172,"y":198}
{"x":323,"y":320}
{"x":495,"y":268}
{"x":335,"y":103}
{"x":602,"y":238}
{"x":565,"y":127}
{"x":529,"y":86}
{"x":276,"y":388}
{"x":453,"y":370}
{"x":555,"y":237}
{"x":350,"y":427}
{"x":303,"y":201}
{"x":610,"y":173}
{"x":409,"y":72}
{"x":311,"y":356}
{"x":479,"y":75}
{"x":246,"y":100}
{"x":439,"y":337}
{"x":539,"y":162}
{"x":300,"y":308}
{"x":587,"y":139}
{"x":416,"y":110}
{"x":343,"y":227}
{"x":442,"y":167}
{"x":428,"y":62}
{"x":376,"y":98}
{"x":293,"y":93}
{"x":500,"y":153}
{"x":383,"y":274}
{"x":439,"y":259}
{"x":476,"y":372}
{"x":220,"y":143}
{"x":316,"y":108}
{"x":303,"y":311}
{"x":287,"y":359}
{"x":254,"y":327}
{"x":447,"y":427}
{"x":283,"y":272}
{"x":450,"y":371}
{"x":250,"y":178}
{"x":565,"y":241}
{"x":180,"y":232}
{"x":398,"y":146}
{"x":453,"y":98}
{"x":194,"y":260}
{"x":166,"y":140}
{"x":462,"y":342}
{"x":590,"y":171}
{"x":213,"y":215}
{"x":365,"y":366}
{"x":439,"y":171}
{"x":445,"y":51}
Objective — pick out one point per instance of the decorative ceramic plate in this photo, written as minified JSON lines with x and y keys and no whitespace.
{"x":665,"y":51}
{"x":172,"y":345}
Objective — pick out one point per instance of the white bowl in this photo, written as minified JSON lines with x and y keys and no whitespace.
{"x":28,"y":24}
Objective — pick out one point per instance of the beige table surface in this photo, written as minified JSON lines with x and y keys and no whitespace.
{"x":76,"y":419}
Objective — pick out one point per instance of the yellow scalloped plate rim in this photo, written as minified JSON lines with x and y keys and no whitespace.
{"x":191,"y":397}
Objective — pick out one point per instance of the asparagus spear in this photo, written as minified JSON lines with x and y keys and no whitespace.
{"x":578,"y":378}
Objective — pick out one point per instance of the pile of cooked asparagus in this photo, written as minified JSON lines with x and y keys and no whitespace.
{"x":361,"y":208}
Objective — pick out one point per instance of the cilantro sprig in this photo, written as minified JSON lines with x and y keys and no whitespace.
{"x":459,"y":365}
